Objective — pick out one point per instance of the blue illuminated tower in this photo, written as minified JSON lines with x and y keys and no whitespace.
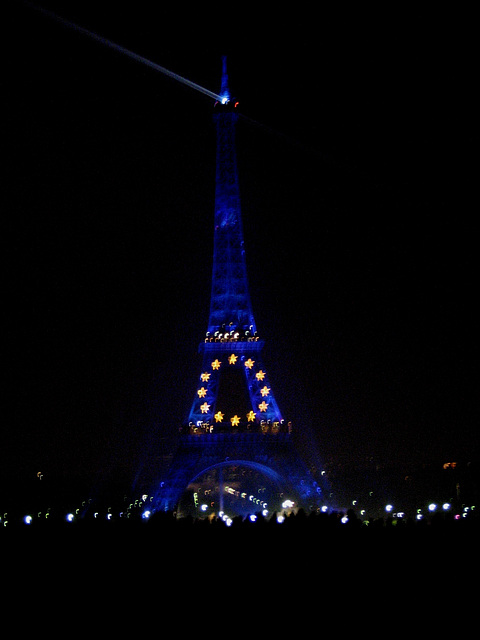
{"x":234,"y":415}
{"x":232,"y":341}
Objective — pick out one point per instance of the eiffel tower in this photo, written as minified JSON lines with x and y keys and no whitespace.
{"x":234,"y":421}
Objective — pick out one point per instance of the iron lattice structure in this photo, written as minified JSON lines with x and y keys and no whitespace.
{"x":224,"y":425}
{"x":231,"y":340}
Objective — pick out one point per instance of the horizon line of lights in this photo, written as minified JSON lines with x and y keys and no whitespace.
{"x":73,"y":516}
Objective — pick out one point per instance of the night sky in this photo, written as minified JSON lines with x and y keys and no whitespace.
{"x":356,"y":164}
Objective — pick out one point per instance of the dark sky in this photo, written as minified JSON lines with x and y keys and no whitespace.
{"x":356,"y":161}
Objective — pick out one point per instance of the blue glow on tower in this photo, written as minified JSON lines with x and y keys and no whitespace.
{"x":224,"y":91}
{"x":231,"y":342}
{"x":230,"y":300}
{"x":234,"y":417}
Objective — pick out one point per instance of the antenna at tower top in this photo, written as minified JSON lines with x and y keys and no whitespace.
{"x":224,"y":91}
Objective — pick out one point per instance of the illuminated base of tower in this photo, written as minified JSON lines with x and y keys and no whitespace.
{"x":274,"y":456}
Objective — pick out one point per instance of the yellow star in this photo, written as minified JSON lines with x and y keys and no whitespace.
{"x":232,"y":359}
{"x":205,"y":376}
{"x":204,"y":407}
{"x":219,"y":416}
{"x":251,"y":416}
{"x":265,"y":391}
{"x":216,"y":364}
{"x":263,"y":406}
{"x":249,"y":363}
{"x":202,"y":392}
{"x":235,"y":421}
{"x":260,"y":375}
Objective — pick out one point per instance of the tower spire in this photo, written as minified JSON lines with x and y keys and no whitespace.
{"x":230,"y":299}
{"x":224,"y":90}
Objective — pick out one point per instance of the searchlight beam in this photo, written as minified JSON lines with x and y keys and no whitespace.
{"x":131,"y":54}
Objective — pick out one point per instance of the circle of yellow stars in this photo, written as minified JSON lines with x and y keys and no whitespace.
{"x":219,"y":416}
